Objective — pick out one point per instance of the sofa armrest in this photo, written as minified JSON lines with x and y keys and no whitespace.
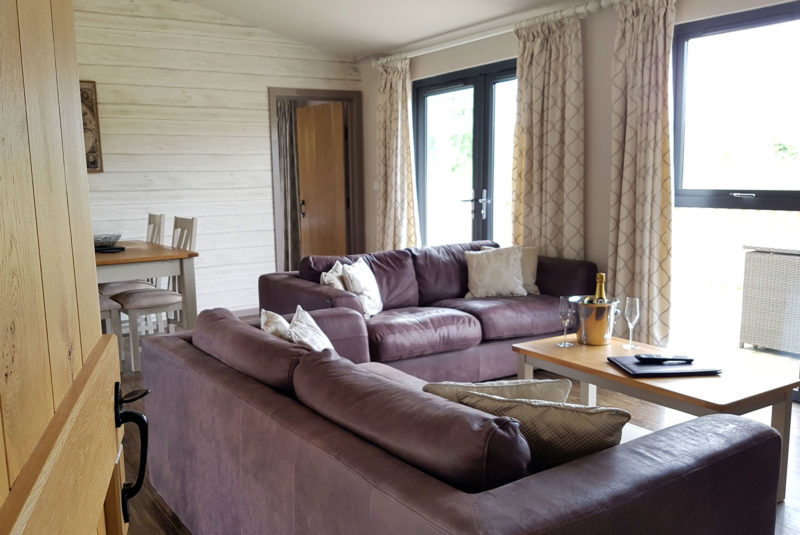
{"x":560,"y":276}
{"x":347,"y":331}
{"x":282,"y":292}
{"x":715,"y":474}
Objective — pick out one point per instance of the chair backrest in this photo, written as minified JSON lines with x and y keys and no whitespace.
{"x":155,"y":228}
{"x":184,"y":233}
{"x":184,"y":236}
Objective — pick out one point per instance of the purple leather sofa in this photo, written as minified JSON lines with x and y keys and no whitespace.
{"x":427,"y":327}
{"x":250,"y":434}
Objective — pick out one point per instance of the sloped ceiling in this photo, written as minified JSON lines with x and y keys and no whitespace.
{"x":359,"y":28}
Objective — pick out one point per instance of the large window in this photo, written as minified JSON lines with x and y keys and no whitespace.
{"x":737,"y":110}
{"x":464,"y":136}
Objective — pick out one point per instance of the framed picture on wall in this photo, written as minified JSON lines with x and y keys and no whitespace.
{"x":91,"y":127}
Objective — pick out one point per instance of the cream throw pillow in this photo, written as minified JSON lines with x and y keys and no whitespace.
{"x":530,"y":263}
{"x":303,"y":329}
{"x":495,"y":272}
{"x":545,"y":389}
{"x":274,"y":324}
{"x":333,"y":277}
{"x":359,"y":279}
{"x":556,"y":432}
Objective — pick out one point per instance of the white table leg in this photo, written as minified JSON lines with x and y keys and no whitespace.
{"x":588,"y":394}
{"x":524,"y":370}
{"x":189,"y":293}
{"x":782,"y":421}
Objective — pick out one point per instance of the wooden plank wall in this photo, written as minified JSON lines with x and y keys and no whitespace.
{"x":182,"y":94}
{"x":45,"y":244}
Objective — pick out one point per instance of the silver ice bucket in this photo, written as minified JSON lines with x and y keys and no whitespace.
{"x":596,"y":322}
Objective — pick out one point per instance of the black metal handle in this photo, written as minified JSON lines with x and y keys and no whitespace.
{"x":121,"y":417}
{"x":302,"y":204}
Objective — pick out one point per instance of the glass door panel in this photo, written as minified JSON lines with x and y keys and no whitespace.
{"x":504,"y":115}
{"x":449,"y":163}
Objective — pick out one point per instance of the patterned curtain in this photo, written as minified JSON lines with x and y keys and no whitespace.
{"x":286,"y":110}
{"x":397,"y":214}
{"x":641,"y":186}
{"x":547,"y":181}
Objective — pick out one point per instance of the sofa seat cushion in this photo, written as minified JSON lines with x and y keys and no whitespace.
{"x":464,"y":447}
{"x":404,"y":333}
{"x":510,"y":317}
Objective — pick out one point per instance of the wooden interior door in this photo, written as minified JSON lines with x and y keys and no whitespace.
{"x":58,"y":440}
{"x":322,"y":175}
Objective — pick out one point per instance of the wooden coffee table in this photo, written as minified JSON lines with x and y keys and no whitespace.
{"x":748,"y":381}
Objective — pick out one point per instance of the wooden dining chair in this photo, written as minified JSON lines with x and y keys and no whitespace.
{"x":155,"y":234}
{"x":143,"y":303}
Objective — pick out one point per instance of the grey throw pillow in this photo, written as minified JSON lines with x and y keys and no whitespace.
{"x":556,"y":432}
{"x":547,"y":389}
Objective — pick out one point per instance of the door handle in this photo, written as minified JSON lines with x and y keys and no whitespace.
{"x":484,"y":200}
{"x":121,"y":417}
{"x":302,"y":205}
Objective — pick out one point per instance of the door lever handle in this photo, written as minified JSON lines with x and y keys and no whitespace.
{"x":302,"y":205}
{"x":121,"y":417}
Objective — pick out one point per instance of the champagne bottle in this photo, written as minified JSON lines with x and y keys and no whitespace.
{"x":599,"y":297}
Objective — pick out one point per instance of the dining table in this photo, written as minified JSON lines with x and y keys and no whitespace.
{"x":143,"y":260}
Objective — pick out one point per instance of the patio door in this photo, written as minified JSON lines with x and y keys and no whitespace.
{"x":464,"y":132}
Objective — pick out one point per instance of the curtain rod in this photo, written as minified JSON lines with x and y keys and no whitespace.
{"x":580,"y":11}
{"x":492,"y":28}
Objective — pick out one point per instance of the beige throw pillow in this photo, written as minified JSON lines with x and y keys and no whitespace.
{"x":359,"y":279}
{"x":530,"y":263}
{"x":303,"y":329}
{"x":556,"y":432}
{"x":333,"y":277}
{"x":495,"y":272}
{"x":545,"y":389}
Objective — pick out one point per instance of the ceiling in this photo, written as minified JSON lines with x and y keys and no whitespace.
{"x":359,"y":28}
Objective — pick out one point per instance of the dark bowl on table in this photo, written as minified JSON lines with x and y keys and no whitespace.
{"x":106,"y":240}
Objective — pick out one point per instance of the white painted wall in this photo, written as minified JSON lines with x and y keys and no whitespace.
{"x":182,"y":94}
{"x":599,"y":31}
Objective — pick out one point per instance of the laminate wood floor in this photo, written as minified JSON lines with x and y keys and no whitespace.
{"x":151,"y":515}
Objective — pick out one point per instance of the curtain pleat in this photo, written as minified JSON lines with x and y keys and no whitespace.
{"x":286,"y":110}
{"x":397,"y":213}
{"x":641,"y":185}
{"x":548,"y":170}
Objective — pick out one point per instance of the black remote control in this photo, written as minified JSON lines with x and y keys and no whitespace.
{"x":652,"y":358}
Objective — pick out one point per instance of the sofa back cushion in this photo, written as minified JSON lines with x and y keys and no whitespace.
{"x":250,"y":350}
{"x":468,"y":449}
{"x":394,"y":271}
{"x":442,"y":270}
{"x":562,"y":276}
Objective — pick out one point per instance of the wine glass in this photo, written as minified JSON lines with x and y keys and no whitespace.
{"x":631,"y":316}
{"x":566,"y":312}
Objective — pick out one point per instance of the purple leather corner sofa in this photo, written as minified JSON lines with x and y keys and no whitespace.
{"x":427,"y":327}
{"x":250,"y":434}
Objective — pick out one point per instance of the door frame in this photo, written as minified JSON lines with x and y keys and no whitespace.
{"x":355,"y":162}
